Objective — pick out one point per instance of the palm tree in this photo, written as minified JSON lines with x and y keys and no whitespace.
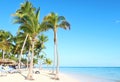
{"x":17,"y":47}
{"x":48,"y":61}
{"x":21,"y":16}
{"x":22,"y":49}
{"x":42,"y":39}
{"x":20,"y":44}
{"x":55,"y":21}
{"x":28,"y":18}
{"x":6,"y":39}
{"x":41,"y":57}
{"x":39,"y":46}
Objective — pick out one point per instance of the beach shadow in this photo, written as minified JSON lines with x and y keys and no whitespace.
{"x":22,"y":75}
{"x":2,"y":75}
{"x":31,"y":79}
{"x":46,"y":75}
{"x":51,"y":74}
{"x":53,"y":78}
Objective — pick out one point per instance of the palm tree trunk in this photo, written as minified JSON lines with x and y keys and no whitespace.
{"x":54,"y":61}
{"x":27,"y":64}
{"x":28,"y":58}
{"x":30,"y":73}
{"x":57,"y":60}
{"x":22,"y":52}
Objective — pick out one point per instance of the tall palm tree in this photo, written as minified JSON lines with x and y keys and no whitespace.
{"x":21,"y":18}
{"x":54,"y":21}
{"x":28,"y":18}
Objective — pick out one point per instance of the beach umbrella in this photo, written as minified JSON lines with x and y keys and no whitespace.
{"x":8,"y":62}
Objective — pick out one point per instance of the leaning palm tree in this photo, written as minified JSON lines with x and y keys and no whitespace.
{"x":21,"y":39}
{"x":28,"y":18}
{"x":20,"y":17}
{"x":54,"y":21}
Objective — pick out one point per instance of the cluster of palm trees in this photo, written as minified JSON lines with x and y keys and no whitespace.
{"x":30,"y":38}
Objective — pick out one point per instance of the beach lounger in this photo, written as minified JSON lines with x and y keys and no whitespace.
{"x":3,"y":72}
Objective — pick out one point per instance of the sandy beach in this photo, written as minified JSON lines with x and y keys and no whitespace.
{"x":44,"y":76}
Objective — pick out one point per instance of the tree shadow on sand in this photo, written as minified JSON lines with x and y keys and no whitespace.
{"x":22,"y":75}
{"x":53,"y":76}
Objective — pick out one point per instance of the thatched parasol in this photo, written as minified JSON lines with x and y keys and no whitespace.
{"x":7,"y":61}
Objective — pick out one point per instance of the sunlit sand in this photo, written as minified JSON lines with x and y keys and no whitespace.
{"x":44,"y":76}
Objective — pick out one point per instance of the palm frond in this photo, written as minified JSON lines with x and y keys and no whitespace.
{"x":64,"y":24}
{"x":38,"y":14}
{"x":46,"y":26}
{"x":61,"y":18}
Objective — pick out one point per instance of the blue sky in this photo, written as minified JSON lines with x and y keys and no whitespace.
{"x":94,"y":38}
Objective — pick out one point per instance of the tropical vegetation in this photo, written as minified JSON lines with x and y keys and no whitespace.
{"x":28,"y":45}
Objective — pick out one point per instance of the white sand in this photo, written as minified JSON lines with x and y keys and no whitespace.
{"x":45,"y":76}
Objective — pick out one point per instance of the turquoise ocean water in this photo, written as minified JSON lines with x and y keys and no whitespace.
{"x":112,"y":73}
